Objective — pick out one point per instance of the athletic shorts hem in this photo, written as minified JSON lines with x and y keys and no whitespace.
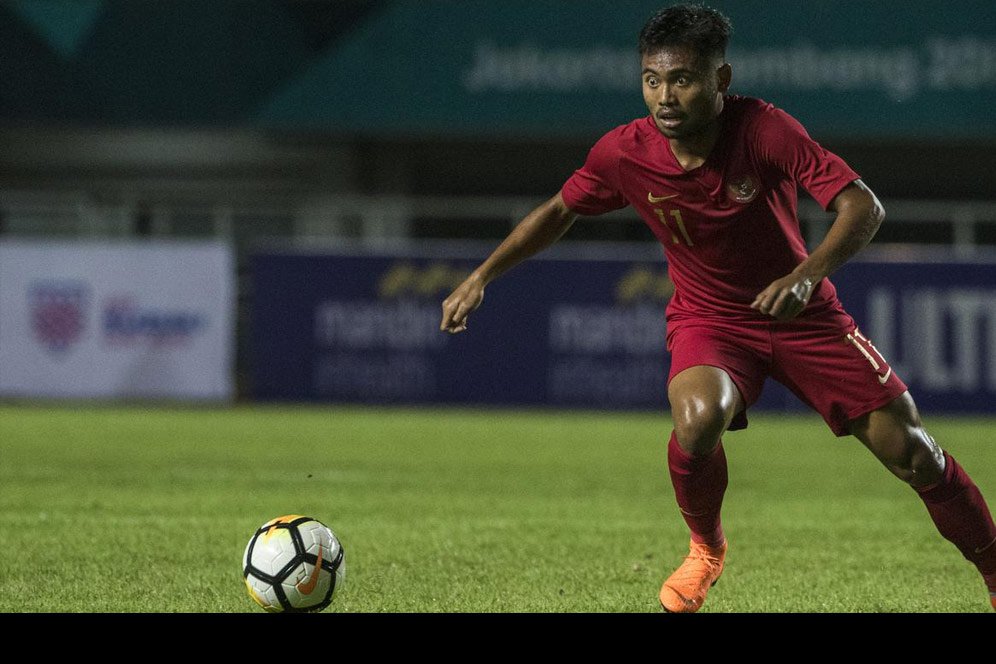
{"x":864,"y":409}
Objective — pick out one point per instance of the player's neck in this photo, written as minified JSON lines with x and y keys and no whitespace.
{"x":692,"y":151}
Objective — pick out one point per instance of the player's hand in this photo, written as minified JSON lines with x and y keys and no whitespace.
{"x":785,"y":298}
{"x":465,"y":299}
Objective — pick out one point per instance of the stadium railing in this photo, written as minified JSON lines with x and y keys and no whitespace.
{"x":963,"y":225}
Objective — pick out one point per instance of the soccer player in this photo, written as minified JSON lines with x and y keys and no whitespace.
{"x":714,"y":176}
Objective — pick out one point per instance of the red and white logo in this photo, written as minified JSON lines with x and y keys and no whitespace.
{"x":58,"y":312}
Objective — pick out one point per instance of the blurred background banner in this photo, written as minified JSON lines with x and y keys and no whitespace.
{"x":473,"y":68}
{"x":564,"y":332}
{"x":576,"y":332}
{"x":401,"y":127}
{"x":116,"y":320}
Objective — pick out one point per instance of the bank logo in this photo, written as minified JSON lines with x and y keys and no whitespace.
{"x":404,"y":279}
{"x":125,"y":323}
{"x":58,"y":312}
{"x":642,"y":284}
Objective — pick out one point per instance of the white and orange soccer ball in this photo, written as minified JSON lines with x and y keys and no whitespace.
{"x":292,"y":564}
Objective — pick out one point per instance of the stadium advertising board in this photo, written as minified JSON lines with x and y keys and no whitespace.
{"x":366,"y":328}
{"x":101,"y":320}
{"x":936,"y":324}
{"x":896,"y":68}
{"x":540,"y":68}
{"x":575,"y":333}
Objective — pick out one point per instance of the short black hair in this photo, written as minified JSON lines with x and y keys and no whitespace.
{"x":701,"y":28}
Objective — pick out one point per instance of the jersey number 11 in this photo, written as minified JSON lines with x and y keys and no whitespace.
{"x":676,"y":213}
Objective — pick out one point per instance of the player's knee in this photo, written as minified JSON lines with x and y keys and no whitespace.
{"x":699,"y":424}
{"x":895,"y":434}
{"x":923,"y":460}
{"x":928,"y":460}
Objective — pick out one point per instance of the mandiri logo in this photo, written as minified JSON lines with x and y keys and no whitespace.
{"x":58,"y":312}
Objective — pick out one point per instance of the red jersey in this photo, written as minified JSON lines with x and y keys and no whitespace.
{"x":729,"y":227}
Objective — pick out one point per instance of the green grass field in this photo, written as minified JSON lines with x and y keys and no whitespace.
{"x":133,"y":509}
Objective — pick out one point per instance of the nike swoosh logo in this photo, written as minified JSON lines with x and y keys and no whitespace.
{"x":308,"y":587}
{"x":882,"y":379}
{"x":658,"y":199}
{"x":980,"y":550}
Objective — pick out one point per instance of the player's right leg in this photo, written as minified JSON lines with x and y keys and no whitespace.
{"x":704,"y":401}
{"x":717,"y":371}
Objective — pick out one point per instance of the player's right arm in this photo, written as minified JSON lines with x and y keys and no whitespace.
{"x":537,"y":231}
{"x":591,"y":190}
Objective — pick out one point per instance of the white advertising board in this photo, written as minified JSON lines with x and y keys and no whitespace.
{"x":117,"y":320}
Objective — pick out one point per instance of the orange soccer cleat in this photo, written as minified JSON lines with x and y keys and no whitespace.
{"x":685,"y":590}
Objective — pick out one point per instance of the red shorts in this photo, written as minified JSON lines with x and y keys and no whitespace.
{"x":824,"y":360}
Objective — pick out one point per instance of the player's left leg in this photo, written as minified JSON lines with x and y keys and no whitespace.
{"x":835,"y":369}
{"x":895,"y":435}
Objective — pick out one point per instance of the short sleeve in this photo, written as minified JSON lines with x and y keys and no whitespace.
{"x":594,"y":188}
{"x":784,"y":143}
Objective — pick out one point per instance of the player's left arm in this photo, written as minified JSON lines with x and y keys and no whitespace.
{"x":859,"y":214}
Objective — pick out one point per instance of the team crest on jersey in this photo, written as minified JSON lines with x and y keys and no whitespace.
{"x":743,"y":189}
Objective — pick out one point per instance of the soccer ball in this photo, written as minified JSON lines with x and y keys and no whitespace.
{"x":292,"y":564}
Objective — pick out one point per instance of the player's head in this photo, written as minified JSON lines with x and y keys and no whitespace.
{"x":685,"y":74}
{"x":703,"y":30}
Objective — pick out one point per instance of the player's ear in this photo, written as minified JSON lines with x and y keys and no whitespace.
{"x":725,"y":76}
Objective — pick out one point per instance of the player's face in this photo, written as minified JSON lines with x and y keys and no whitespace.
{"x":683,"y":90}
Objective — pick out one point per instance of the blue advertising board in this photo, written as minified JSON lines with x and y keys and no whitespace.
{"x":572,"y":331}
{"x":366,"y":328}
